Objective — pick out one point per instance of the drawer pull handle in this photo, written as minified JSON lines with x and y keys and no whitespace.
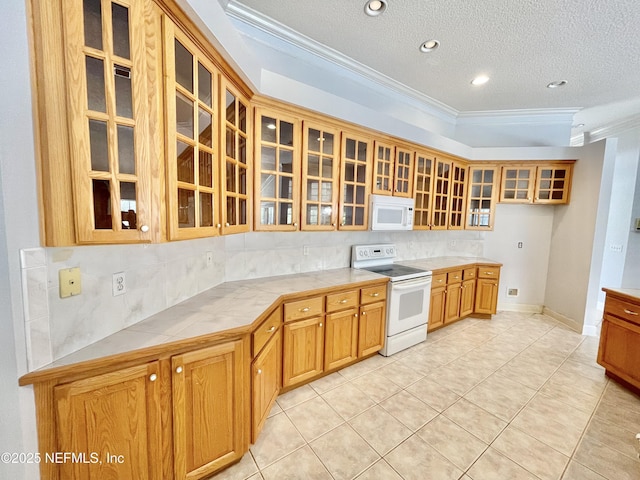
{"x":376,"y":294}
{"x":344,"y":301}
{"x":488,"y":273}
{"x":630,"y":312}
{"x":456,"y":277}
{"x":272,"y":329}
{"x":305,"y":309}
{"x":179,"y":370}
{"x":153,"y":377}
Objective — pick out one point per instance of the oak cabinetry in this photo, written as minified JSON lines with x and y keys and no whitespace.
{"x":437,"y":302}
{"x":403,"y":173}
{"x":119,"y":413}
{"x":266,"y":372}
{"x":383,"y":169}
{"x":468,"y":291}
{"x":482,"y":194}
{"x":453,"y":296}
{"x":449,"y":189}
{"x":423,"y":191}
{"x":354,"y":182}
{"x":208,"y":387}
{"x":457,"y":196}
{"x":543,"y":183}
{"x":341,"y":338}
{"x":619,"y":350}
{"x":303,"y":349}
{"x":487,"y":289}
{"x":553,"y":184}
{"x":371,"y":330}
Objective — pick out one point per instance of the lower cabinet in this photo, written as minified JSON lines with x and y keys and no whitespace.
{"x":303,"y":350}
{"x":437,"y":303}
{"x":371,"y":333}
{"x":266,"y":371}
{"x":341,"y":338}
{"x":454,"y":291}
{"x":487,"y":290}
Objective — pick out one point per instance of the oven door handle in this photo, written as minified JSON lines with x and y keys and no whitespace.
{"x":411,"y":284}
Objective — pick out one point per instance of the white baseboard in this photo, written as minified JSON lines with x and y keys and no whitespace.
{"x":569,"y":322}
{"x":519,"y":307}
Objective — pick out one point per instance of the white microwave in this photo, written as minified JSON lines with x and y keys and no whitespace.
{"x":390,"y":213}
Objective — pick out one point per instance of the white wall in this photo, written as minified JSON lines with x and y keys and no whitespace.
{"x":631,"y":275}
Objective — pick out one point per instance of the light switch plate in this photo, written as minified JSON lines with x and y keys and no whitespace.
{"x":70,"y":282}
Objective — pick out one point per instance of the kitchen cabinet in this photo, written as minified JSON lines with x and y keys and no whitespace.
{"x":208,"y":388}
{"x":403,"y":174}
{"x":553,"y":184}
{"x":320,"y":177}
{"x":437,"y":303}
{"x":371,"y":329}
{"x":619,"y":349}
{"x":266,"y":371}
{"x":423,"y":191}
{"x":487,"y":289}
{"x":277,"y":170}
{"x":303,"y":350}
{"x":453,"y":296}
{"x":449,"y":189}
{"x":118,"y":413}
{"x":468,"y":291}
{"x":457,"y":196}
{"x":341,"y":338}
{"x":541,"y":183}
{"x":355,"y":183}
{"x":482,"y":195}
{"x":383,"y":169}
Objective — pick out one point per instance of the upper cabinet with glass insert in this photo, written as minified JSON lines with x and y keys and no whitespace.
{"x":277,"y":171}
{"x":553,"y":183}
{"x":383,"y":167}
{"x":482,"y":194}
{"x":111,"y":143}
{"x":354,"y":184}
{"x":534,"y":182}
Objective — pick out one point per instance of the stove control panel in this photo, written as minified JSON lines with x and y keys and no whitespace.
{"x":373,"y":252}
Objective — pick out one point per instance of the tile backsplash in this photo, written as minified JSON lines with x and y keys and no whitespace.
{"x":159,"y":276}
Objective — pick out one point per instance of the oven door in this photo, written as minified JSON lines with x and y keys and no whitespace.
{"x":408,"y":304}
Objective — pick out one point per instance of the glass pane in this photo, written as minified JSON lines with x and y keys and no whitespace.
{"x":285,"y":213}
{"x":267,"y":213}
{"x":360,"y":195}
{"x":558,"y":184}
{"x":524,"y":174}
{"x":347,"y":216}
{"x":242,"y":149}
{"x":327,"y":167}
{"x":486,"y":191}
{"x":242,"y":117}
{"x":350,"y":148}
{"x":312,"y":215}
{"x":92,"y":24}
{"x":359,"y":218}
{"x":560,"y":174}
{"x":268,"y":186}
{"x":327,"y":145}
{"x":242,"y":206}
{"x":128,"y":205}
{"x":124,"y":103}
{"x":184,"y":67}
{"x":126,"y":151}
{"x":557,"y":195}
{"x":486,"y":205}
{"x":510,"y":184}
{"x":362,"y":151}
{"x":184,"y":115}
{"x":313,"y":190}
{"x":362,"y":174}
{"x":206,"y":209}
{"x":99,"y":146}
{"x":348,"y":194}
{"x":268,"y":158}
{"x":268,"y":129}
{"x":286,"y":161}
{"x":230,"y":143}
{"x":102,"y":204}
{"x":544,"y":195}
{"x":545,"y":184}
{"x":349,"y":172}
{"x":326,"y":191}
{"x":286,"y":187}
{"x":488,"y":176}
{"x":186,"y":208}
{"x":204,"y":127}
{"x":325,"y":214}
{"x":545,"y":173}
{"x":231,"y":211}
{"x":475,"y":191}
{"x":474,"y":204}
{"x":313,"y":165}
{"x":477,"y":176}
{"x":286,"y":133}
{"x":242,"y":180}
{"x":95,"y":85}
{"x":204,"y":85}
{"x":512,"y":174}
{"x":231,"y":177}
{"x":230,"y":106}
{"x":523,"y":184}
{"x":205,"y":169}
{"x":521,"y":195}
{"x":185,"y":162}
{"x":120,"y":21}
{"x":313,"y":139}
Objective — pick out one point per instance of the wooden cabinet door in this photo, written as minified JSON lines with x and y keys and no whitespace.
{"x":457,"y":196}
{"x":437,"y":306}
{"x":303,"y":350}
{"x":267,"y":380}
{"x":517,"y":184}
{"x":320,"y":177}
{"x":441,"y":189}
{"x":619,"y":350}
{"x":553,"y":184}
{"x":117,"y":413}
{"x":372,"y":328}
{"x":341,"y":338}
{"x":403,"y":175}
{"x":208,"y":409}
{"x":486,"y":296}
{"x":277,"y":171}
{"x":423,"y":191}
{"x":452,"y":302}
{"x":468,"y":297}
{"x":482,"y":194}
{"x":383,"y":169}
{"x":356,"y":158}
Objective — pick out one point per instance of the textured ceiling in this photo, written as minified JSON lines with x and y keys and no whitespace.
{"x":521,"y":44}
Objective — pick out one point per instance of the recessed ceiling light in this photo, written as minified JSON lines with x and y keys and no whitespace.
{"x":375,"y":7}
{"x":429,"y":46}
{"x":560,"y":83}
{"x":480,"y":80}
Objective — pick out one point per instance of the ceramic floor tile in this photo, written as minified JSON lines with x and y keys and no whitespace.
{"x":569,"y":395}
{"x":409,"y":409}
{"x":380,"y":429}
{"x":614,"y":436}
{"x":500,"y":396}
{"x":324,"y":384}
{"x":615,"y":394}
{"x":380,"y":470}
{"x":344,"y":452}
{"x":576,"y":471}
{"x":400,"y":374}
{"x":278,"y":438}
{"x":492,"y":465}
{"x":475,"y":420}
{"x":296,"y":396}
{"x":348,"y":400}
{"x":414,"y":458}
{"x":314,"y":418}
{"x":606,"y":461}
{"x":533,"y":374}
{"x":302,"y":463}
{"x":536,"y":457}
{"x":433,"y":394}
{"x":452,"y":441}
{"x":460,"y":376}
{"x":365,"y":366}
{"x":376,"y":386}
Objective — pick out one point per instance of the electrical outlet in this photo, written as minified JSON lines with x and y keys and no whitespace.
{"x":452,"y":243}
{"x":512,"y":292}
{"x":119,"y":284}
{"x":209,"y":259}
{"x":519,"y":244}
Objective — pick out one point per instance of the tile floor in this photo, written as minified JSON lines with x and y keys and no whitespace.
{"x":517,"y":397}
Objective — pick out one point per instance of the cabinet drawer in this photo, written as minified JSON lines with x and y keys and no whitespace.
{"x":303,"y":308}
{"x":373,"y":294}
{"x":265,"y":331}
{"x":488,"y":272}
{"x":621,"y":309}
{"x":439,"y":280}
{"x":454,"y":277}
{"x":469,"y":273}
{"x":340,"y":301}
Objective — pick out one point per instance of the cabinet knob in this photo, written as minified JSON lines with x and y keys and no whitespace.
{"x":364,"y":313}
{"x":320,"y":325}
{"x":305,"y":309}
{"x":456,"y":277}
{"x":226,"y":224}
{"x":144,"y":228}
{"x":295,"y":224}
{"x":218,"y":225}
{"x":376,"y":294}
{"x":355,"y":315}
{"x":179,"y":370}
{"x":153,"y":377}
{"x":344,"y":300}
{"x":259,"y":371}
{"x":333,"y":224}
{"x":272,"y":329}
{"x":488,"y":273}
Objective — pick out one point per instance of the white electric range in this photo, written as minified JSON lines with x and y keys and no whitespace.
{"x":408,"y":295}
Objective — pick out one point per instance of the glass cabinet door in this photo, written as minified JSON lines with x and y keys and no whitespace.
{"x":277,"y":171}
{"x":457,"y":196}
{"x":403,"y":176}
{"x":553,"y":184}
{"x":423,"y":188}
{"x":110,"y":155}
{"x":354,"y":187}
{"x":192,"y":149}
{"x":441,"y":188}
{"x":320,"y":172}
{"x":481,"y":197}
{"x":235,"y":169}
{"x":383,"y":169}
{"x":517,"y":184}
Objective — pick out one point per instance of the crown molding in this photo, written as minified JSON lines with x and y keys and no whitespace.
{"x":522,"y":116}
{"x":612,"y":129}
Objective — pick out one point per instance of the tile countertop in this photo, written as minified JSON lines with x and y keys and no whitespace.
{"x":630,"y":293}
{"x":441,"y":263}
